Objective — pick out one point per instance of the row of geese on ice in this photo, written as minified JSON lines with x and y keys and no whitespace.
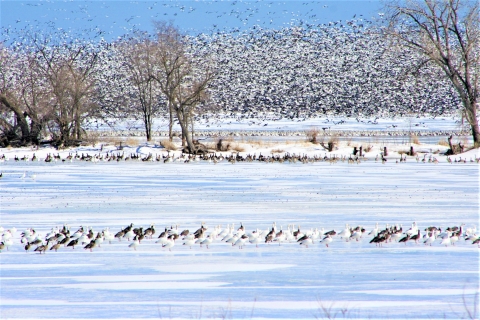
{"x":85,"y":237}
{"x":232,"y":158}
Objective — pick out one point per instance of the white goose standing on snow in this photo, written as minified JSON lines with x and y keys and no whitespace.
{"x":446,"y":241}
{"x":413,"y":230}
{"x":345,"y":234}
{"x":430,"y":239}
{"x":134,"y":244}
{"x":375,"y":231}
{"x":189,"y":241}
{"x":241,"y":241}
{"x":454,"y":238}
{"x":208,"y":240}
{"x":169,"y":244}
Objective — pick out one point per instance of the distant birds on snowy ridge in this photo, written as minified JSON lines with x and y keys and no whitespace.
{"x":85,"y":237}
{"x":234,"y":157}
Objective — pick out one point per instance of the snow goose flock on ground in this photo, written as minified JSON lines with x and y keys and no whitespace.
{"x":86,"y":237}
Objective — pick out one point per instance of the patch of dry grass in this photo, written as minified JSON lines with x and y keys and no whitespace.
{"x":111,"y":140}
{"x":236,"y":147}
{"x":414,"y":139}
{"x":277,"y":151}
{"x":130,"y":141}
{"x":168,"y":145}
{"x":443,"y":142}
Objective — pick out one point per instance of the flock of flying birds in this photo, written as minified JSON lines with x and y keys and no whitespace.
{"x":302,"y":71}
{"x":305,"y":71}
{"x":62,"y":238}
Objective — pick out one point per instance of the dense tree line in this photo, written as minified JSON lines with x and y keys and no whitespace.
{"x":54,"y":85}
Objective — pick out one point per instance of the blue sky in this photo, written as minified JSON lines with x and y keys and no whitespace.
{"x":116,"y":18}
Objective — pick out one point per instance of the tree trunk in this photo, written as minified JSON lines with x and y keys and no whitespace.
{"x":36,"y":127}
{"x":184,"y":126}
{"x":193,"y":129}
{"x":476,"y":135}
{"x":170,"y":123}
{"x":471,"y":113}
{"x":20,"y":117}
{"x":148,"y":126}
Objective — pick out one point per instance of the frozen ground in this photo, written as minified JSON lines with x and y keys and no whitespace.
{"x":349,"y":279}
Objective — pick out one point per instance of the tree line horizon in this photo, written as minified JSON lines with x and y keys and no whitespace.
{"x":420,"y":61}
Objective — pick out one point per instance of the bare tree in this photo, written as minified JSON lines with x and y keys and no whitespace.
{"x":24,"y":103}
{"x":139,"y":54}
{"x":68,"y":67}
{"x":184,"y":85}
{"x":447,"y":33}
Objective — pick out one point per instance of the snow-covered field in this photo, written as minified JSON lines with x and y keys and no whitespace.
{"x":345,"y":280}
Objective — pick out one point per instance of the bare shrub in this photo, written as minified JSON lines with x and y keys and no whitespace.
{"x":169,"y":145}
{"x":368,"y":148}
{"x":312,"y":135}
{"x":92,"y":137}
{"x":414,"y":139}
